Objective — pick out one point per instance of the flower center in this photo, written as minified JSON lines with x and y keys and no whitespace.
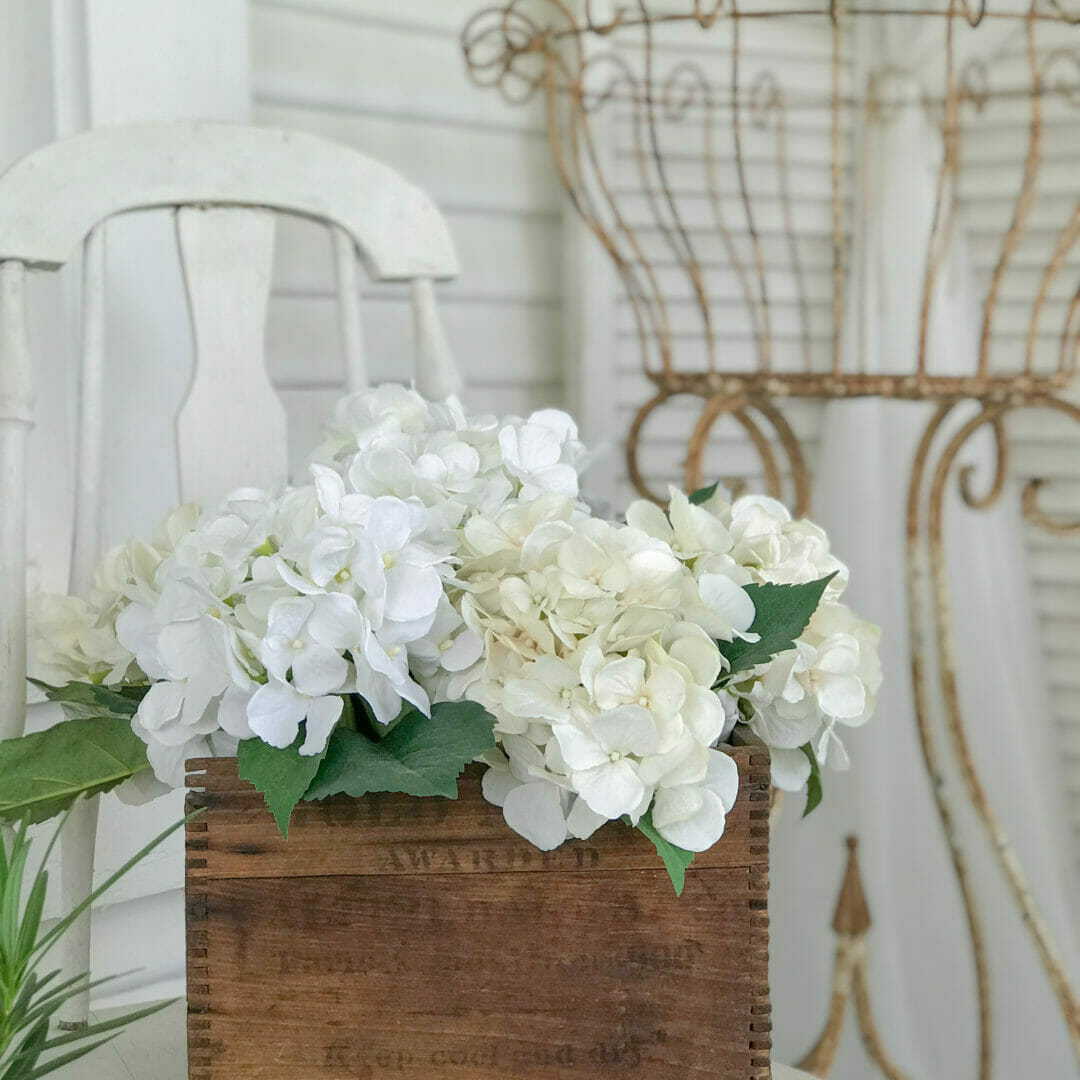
{"x":214,"y":613}
{"x":394,"y":650}
{"x":643,"y":701}
{"x":296,"y":645}
{"x":387,"y":560}
{"x":614,"y":756}
{"x":567,"y":694}
{"x":342,"y":576}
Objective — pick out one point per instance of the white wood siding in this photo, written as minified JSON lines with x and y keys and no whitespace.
{"x":391,"y":81}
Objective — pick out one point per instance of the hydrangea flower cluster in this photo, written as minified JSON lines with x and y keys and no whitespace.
{"x":604,"y":670}
{"x":441,"y":557}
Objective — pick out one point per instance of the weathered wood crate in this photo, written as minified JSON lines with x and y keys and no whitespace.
{"x":395,"y":938}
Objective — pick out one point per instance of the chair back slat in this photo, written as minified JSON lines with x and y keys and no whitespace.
{"x":86,"y":541}
{"x":16,"y":416}
{"x":436,"y":374}
{"x":231,"y":430}
{"x":348,"y":299}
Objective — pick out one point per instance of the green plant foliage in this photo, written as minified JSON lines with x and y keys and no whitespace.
{"x":782,"y":613}
{"x":676,"y":860}
{"x":82,"y":701}
{"x":813,"y":784}
{"x":420,"y":756}
{"x":30,"y":1000}
{"x":703,"y":495}
{"x":42,"y":774}
{"x":281,"y":775}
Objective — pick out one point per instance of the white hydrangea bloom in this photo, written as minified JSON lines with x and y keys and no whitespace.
{"x":601,"y":691}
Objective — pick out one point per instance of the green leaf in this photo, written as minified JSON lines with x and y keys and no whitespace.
{"x":281,"y":775}
{"x":703,"y":495}
{"x":781,"y":615}
{"x":83,"y":701}
{"x":44,"y":773}
{"x":813,"y":784}
{"x":675,"y":859}
{"x":421,"y":756}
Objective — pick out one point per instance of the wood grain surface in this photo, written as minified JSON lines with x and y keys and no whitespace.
{"x":420,"y":939}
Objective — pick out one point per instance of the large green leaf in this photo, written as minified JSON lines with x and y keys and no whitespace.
{"x":44,"y":773}
{"x":281,"y":775}
{"x":421,"y":756}
{"x":781,"y":615}
{"x":676,"y":859}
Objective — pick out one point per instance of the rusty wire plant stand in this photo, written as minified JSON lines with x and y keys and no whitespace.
{"x":565,"y":53}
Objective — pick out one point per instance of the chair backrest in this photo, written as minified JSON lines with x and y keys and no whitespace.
{"x":224,"y":182}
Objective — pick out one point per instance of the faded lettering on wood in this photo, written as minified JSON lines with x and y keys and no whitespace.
{"x":421,"y":939}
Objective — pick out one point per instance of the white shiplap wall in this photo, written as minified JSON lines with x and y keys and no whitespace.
{"x":389,"y":79}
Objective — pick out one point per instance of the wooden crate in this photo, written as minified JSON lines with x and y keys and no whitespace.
{"x":395,"y":938}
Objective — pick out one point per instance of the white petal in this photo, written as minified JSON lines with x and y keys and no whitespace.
{"x":790,"y":769}
{"x":412,"y":592}
{"x":286,"y":620}
{"x":690,"y":645}
{"x":534,"y":811}
{"x":696,"y":833}
{"x":619,"y":682}
{"x":732,"y":602}
{"x":529,"y":697}
{"x":170,"y":762}
{"x":336,"y":621}
{"x":329,"y":487}
{"x":161,"y":705}
{"x":704,"y":715}
{"x":842,"y":696}
{"x":318,"y":670}
{"x":579,"y":750}
{"x":468,"y":647}
{"x":611,"y":789}
{"x":389,"y":524}
{"x":695,"y":528}
{"x":582,"y":822}
{"x":232,"y":713}
{"x":497,"y":784}
{"x":785,"y":732}
{"x":649,"y":518}
{"x":322,"y":715}
{"x":275,"y":712}
{"x":722,"y":778}
{"x":629,"y":729}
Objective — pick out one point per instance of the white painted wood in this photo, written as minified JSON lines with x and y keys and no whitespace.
{"x":348,"y":299}
{"x":79,"y":844}
{"x":55,"y":196}
{"x":79,"y":839}
{"x":505,"y":257}
{"x":437,"y":376}
{"x":504,"y":344}
{"x":231,"y":430}
{"x":86,"y":548}
{"x":590,"y":287}
{"x":16,"y":418}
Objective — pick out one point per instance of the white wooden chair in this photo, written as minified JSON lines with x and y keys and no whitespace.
{"x":224,"y":183}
